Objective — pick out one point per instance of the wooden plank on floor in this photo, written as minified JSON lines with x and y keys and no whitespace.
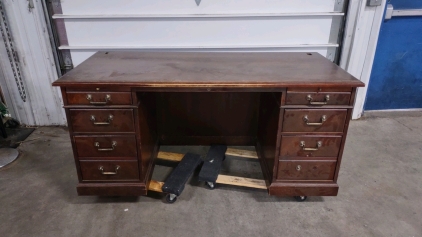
{"x":241,"y":153}
{"x":170,"y":156}
{"x":155,"y":186}
{"x":240,"y":181}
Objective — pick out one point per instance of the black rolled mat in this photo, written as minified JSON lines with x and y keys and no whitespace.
{"x":14,"y":137}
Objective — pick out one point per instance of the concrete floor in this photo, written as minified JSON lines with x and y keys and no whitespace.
{"x":380,"y":194}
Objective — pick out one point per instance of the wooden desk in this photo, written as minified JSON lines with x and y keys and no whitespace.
{"x":294,"y":107}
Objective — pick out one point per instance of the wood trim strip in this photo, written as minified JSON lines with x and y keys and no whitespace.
{"x":279,"y":134}
{"x":345,"y":130}
{"x":303,"y":189}
{"x":263,"y":87}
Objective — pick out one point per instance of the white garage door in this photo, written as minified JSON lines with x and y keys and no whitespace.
{"x":213,"y":25}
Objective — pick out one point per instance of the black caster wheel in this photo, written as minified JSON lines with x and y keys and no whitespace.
{"x":300,"y":198}
{"x":210,"y":185}
{"x":171,"y":198}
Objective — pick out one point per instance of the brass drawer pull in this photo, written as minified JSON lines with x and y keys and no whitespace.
{"x":318,"y":145}
{"x":309,"y":98}
{"x":298,"y":168}
{"x":109,"y":173}
{"x":306,"y":119}
{"x":113,"y":145}
{"x":109,"y":119}
{"x":107,"y":99}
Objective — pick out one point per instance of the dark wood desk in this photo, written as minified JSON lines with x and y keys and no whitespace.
{"x":294,"y":107}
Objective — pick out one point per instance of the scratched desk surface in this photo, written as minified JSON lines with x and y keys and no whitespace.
{"x":182,"y":69}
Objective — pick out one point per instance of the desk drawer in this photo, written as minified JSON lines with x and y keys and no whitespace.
{"x":99,"y":98}
{"x":317,"y":99}
{"x":306,"y":170}
{"x":106,"y":146}
{"x":314,"y":120}
{"x":102,"y":120}
{"x":310,"y":146}
{"x":109,"y":170}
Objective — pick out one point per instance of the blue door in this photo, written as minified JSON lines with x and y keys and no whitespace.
{"x":396,"y":78}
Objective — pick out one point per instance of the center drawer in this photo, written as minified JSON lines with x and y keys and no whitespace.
{"x":314,"y":120}
{"x":98,"y":98}
{"x":102,"y":120}
{"x":310,"y":146}
{"x":106,"y":146}
{"x":319,"y":96}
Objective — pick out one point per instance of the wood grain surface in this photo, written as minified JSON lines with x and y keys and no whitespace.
{"x":294,"y":120}
{"x":182,"y":69}
{"x":125,"y":146}
{"x":290,"y":146}
{"x":175,"y":98}
{"x":306,"y":170}
{"x":122,"y":120}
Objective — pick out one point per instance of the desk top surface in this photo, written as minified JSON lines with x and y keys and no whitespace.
{"x":177,"y":69}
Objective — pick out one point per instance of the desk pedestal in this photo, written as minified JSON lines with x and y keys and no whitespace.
{"x":299,"y":133}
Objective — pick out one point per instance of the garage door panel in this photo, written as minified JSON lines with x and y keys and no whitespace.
{"x":190,"y":7}
{"x":203,"y":32}
{"x":180,"y":25}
